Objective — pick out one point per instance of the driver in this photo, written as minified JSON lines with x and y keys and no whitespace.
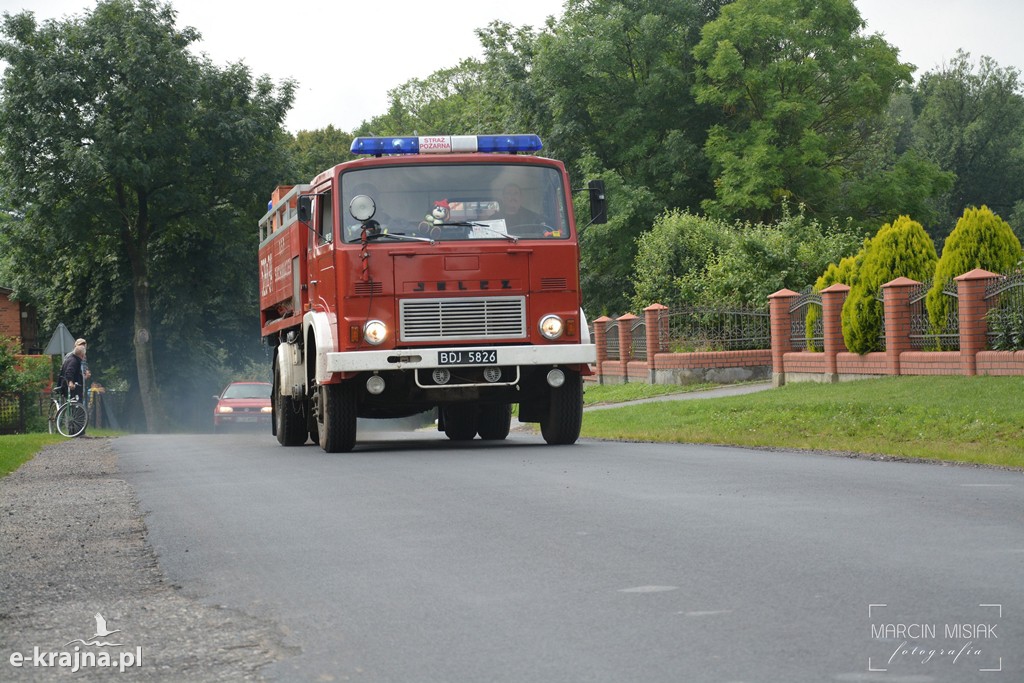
{"x":513,"y":211}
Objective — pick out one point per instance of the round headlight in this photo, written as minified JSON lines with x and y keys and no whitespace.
{"x":375,"y":332}
{"x":551,"y":326}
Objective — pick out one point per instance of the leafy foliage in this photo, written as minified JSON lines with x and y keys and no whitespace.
{"x":673,"y":258}
{"x":899,"y":249}
{"x":802,"y":91}
{"x":970,"y":121}
{"x":140,"y":171}
{"x":981,"y":239}
{"x":313,"y":151}
{"x":691,"y":260}
{"x":21,"y":374}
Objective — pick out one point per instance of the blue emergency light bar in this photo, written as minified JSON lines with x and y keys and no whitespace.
{"x":447,"y":144}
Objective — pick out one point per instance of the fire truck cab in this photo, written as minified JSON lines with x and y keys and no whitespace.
{"x":438,"y":272}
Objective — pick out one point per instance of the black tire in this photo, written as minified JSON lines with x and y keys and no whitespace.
{"x":289,"y":421}
{"x":561,"y":425}
{"x":72,"y":419}
{"x":460,"y":421}
{"x":494,"y":421}
{"x":338,"y":410}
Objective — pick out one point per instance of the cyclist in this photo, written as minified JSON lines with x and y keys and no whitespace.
{"x":73,"y":371}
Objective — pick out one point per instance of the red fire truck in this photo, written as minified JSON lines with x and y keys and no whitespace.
{"x":435,"y":273}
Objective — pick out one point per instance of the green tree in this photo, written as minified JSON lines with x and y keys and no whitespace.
{"x":449,"y":101}
{"x":606,"y":250}
{"x":802,"y":91}
{"x":970,"y":120}
{"x":899,"y":249}
{"x":313,"y":151}
{"x":617,"y":79}
{"x":140,"y":169}
{"x":981,"y":239}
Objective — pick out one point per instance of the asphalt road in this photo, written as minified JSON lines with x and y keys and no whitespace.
{"x":413,"y":560}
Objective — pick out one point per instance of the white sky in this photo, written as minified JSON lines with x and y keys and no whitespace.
{"x":347,"y":54}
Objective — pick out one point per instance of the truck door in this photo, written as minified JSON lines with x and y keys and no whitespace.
{"x":323,"y":290}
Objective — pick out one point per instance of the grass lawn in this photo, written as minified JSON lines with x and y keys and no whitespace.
{"x":597,"y":394}
{"x":15,"y":449}
{"x":966,"y":419}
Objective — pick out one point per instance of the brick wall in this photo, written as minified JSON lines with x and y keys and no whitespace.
{"x":10,"y":316}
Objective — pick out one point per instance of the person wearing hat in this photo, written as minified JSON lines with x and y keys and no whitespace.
{"x":74,"y":371}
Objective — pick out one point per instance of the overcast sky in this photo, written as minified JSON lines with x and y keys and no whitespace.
{"x":348,"y":54}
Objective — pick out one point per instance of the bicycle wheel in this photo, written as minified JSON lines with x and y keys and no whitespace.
{"x":51,"y":418}
{"x":71,"y":419}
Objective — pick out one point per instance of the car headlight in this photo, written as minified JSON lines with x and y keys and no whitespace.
{"x":265,"y":409}
{"x":375,"y":332}
{"x":551,"y":326}
{"x":225,"y":409}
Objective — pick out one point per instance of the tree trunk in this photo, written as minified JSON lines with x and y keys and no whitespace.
{"x":149,"y":393}
{"x":137,"y":243}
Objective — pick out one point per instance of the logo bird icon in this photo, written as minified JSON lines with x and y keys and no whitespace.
{"x":101,"y":627}
{"x":101,"y":632}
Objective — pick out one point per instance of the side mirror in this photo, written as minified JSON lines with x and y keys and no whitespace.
{"x":304,"y":208}
{"x":598,"y":202}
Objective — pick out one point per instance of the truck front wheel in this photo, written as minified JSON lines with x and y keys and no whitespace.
{"x":561,"y":424}
{"x":337,"y":416}
{"x":460,"y":421}
{"x":494,"y":421}
{"x":289,"y":421}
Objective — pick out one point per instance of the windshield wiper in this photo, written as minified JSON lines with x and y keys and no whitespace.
{"x":401,"y":236}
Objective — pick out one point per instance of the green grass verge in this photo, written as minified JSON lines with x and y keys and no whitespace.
{"x":966,"y":419}
{"x":17,"y":449}
{"x":595,"y":394}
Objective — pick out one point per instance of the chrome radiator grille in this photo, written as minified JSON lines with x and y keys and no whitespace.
{"x":462,"y":319}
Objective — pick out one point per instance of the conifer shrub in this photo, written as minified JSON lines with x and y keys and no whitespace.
{"x":981,"y":239}
{"x":843,"y":272}
{"x":899,"y":249}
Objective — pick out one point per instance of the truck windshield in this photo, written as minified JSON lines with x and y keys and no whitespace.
{"x":448,"y":202}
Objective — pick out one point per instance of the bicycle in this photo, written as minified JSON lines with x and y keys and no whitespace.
{"x":67,"y":414}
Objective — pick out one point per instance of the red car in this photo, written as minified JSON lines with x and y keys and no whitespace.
{"x":242,"y":404}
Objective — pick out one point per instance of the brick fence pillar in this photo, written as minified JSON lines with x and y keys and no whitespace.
{"x":970,"y":288}
{"x":653,"y":315}
{"x":896,"y":300}
{"x":782,"y":343}
{"x":832,"y":300}
{"x":626,"y":343}
{"x":601,"y":342}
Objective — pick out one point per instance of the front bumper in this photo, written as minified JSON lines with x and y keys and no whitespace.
{"x":428,"y":358}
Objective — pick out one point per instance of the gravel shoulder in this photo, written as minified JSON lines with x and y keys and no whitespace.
{"x":72,"y":545}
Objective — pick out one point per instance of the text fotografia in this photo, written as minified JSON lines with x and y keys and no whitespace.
{"x":966,"y":642}
{"x":76,"y":660}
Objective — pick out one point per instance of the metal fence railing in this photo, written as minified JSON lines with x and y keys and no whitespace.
{"x":1005,"y":318}
{"x":701,"y":328}
{"x":806,"y":323}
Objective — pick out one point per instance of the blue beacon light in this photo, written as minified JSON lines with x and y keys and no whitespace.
{"x":447,"y":144}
